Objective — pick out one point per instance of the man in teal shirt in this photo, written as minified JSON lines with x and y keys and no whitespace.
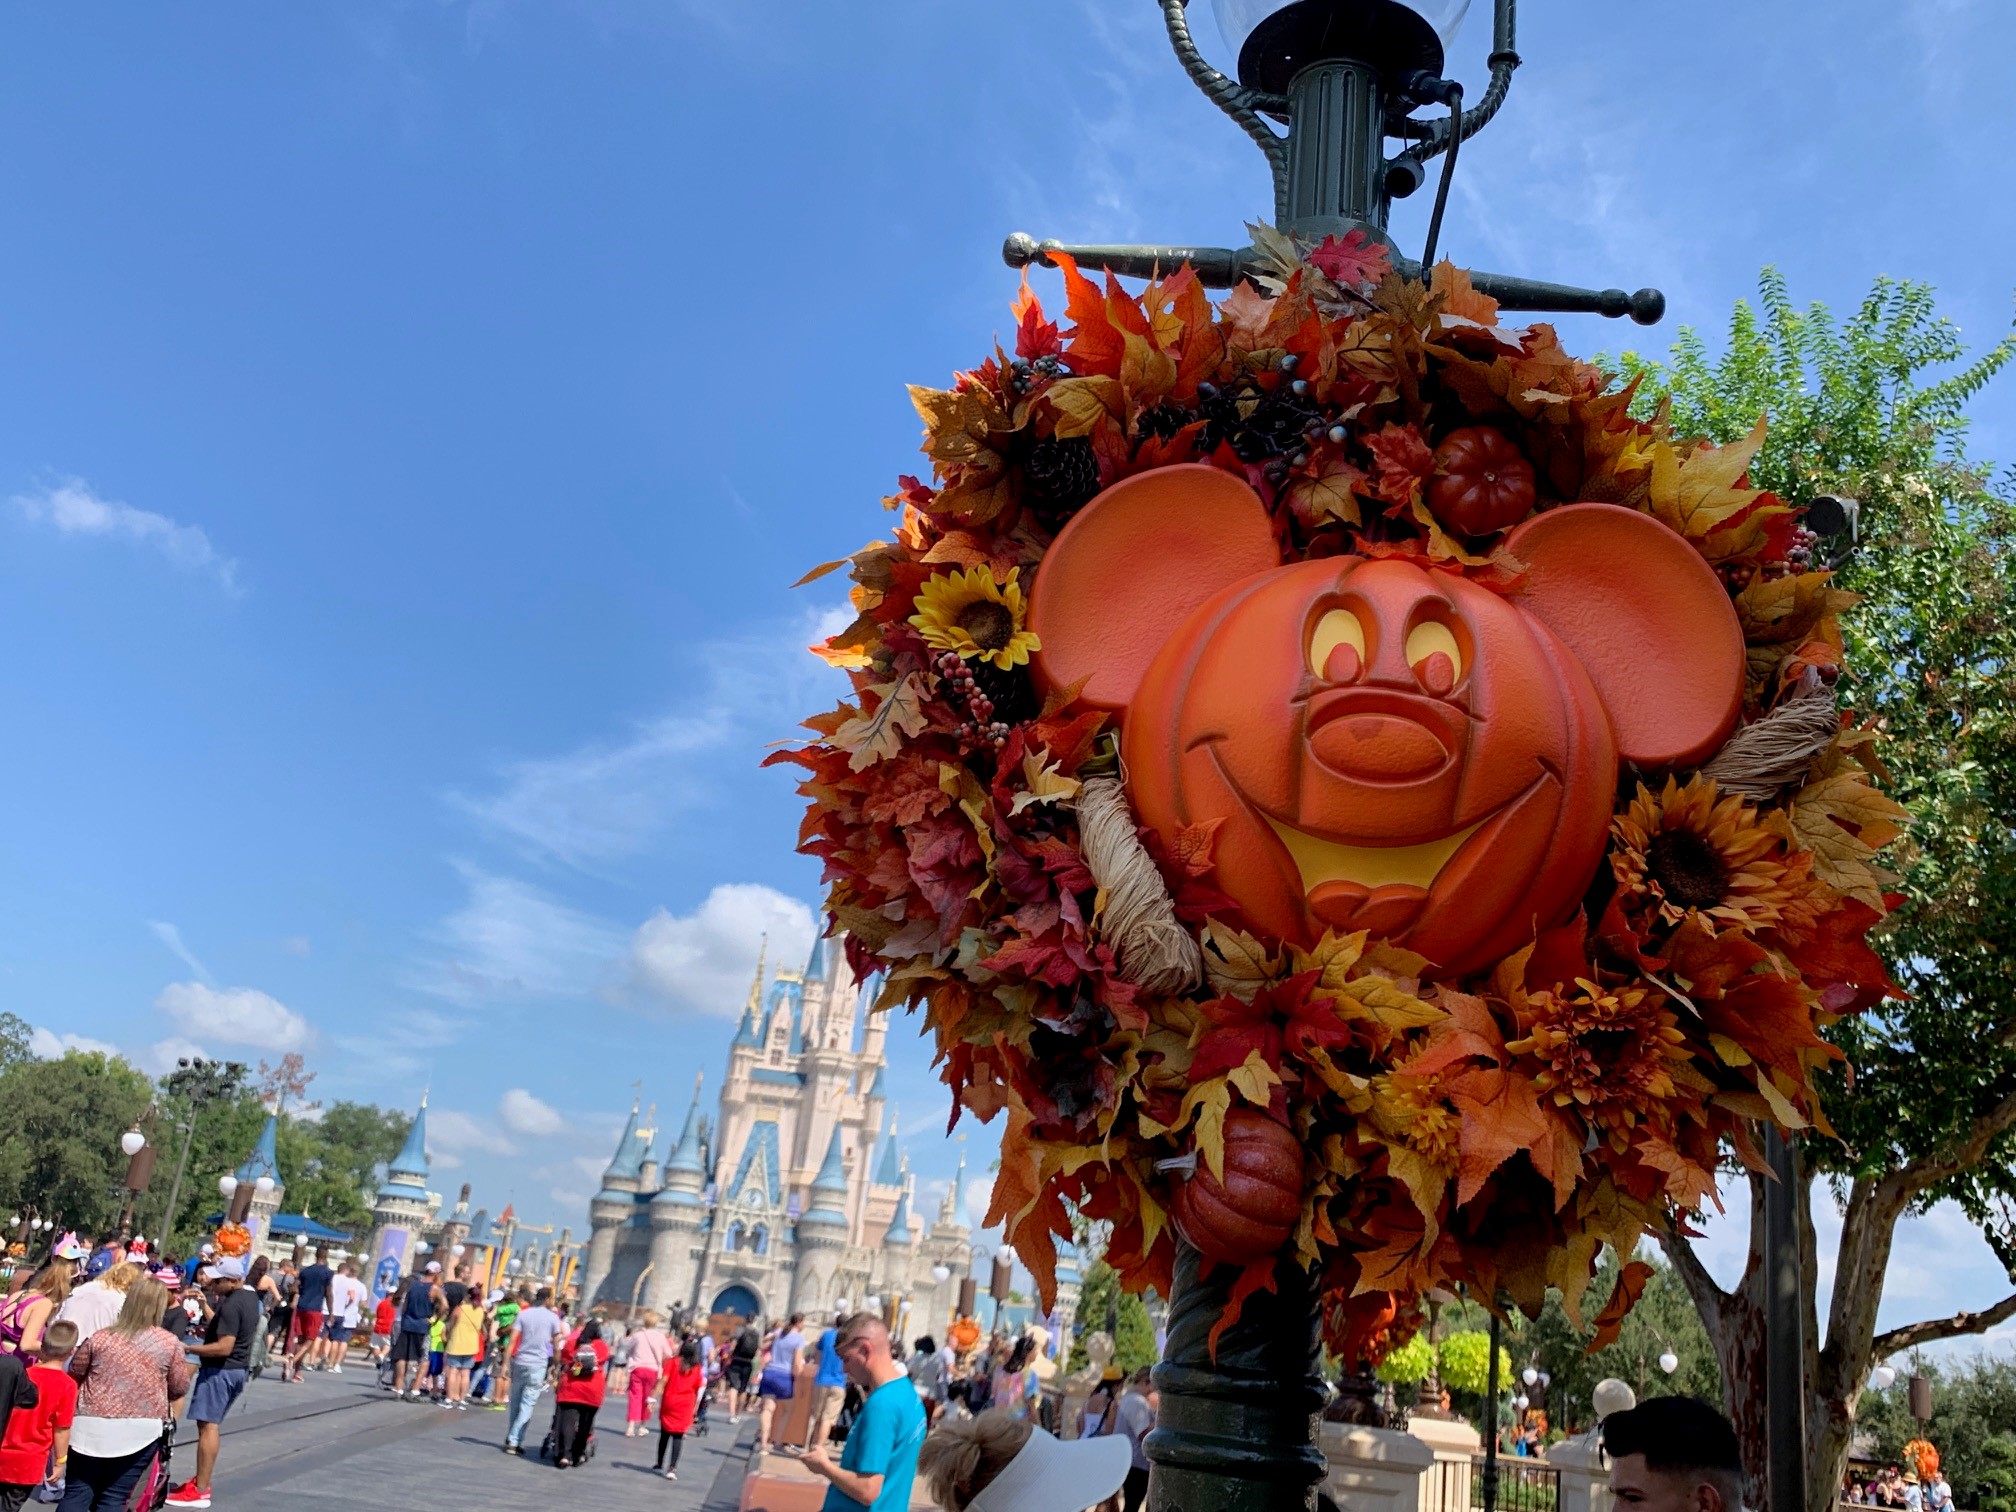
{"x":879,"y":1464}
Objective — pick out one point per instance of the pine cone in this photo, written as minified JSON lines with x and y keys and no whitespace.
{"x":1060,"y":477}
{"x":1163,"y":421}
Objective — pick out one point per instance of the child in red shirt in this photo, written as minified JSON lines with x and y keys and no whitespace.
{"x":381,"y":1329}
{"x":38,"y":1438}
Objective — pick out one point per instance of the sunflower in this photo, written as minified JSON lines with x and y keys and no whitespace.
{"x":974,"y":617}
{"x":1604,"y":1052}
{"x":1686,"y":851}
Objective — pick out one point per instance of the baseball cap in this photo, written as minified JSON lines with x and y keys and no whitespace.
{"x":70,"y":1247}
{"x":1049,"y":1475}
{"x":167,"y":1275}
{"x":230,"y":1268}
{"x":433,"y":1266}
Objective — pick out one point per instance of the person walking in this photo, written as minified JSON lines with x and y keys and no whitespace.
{"x":1135,"y":1418}
{"x":534,"y":1333}
{"x":779,"y":1378}
{"x":424,"y":1302}
{"x":24,"y":1315}
{"x":126,"y":1374}
{"x":347,"y":1296}
{"x":226,"y":1356}
{"x":311,"y":1309}
{"x":829,"y":1386}
{"x":462,"y":1341}
{"x":384,"y":1318}
{"x":741,"y":1368}
{"x":685,"y":1379}
{"x":96,"y":1304}
{"x":584,"y":1382}
{"x":1015,"y":1386}
{"x":35,"y":1444}
{"x":650,"y":1345}
{"x":878,"y":1465}
{"x":928,"y":1373}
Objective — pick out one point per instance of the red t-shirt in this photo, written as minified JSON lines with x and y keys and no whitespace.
{"x":581,"y":1392}
{"x":24,"y":1455}
{"x":382,"y":1320}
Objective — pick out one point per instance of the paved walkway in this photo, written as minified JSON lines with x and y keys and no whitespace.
{"x":340,"y":1442}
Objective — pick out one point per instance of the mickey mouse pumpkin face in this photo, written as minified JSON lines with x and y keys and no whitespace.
{"x":1386,"y":747}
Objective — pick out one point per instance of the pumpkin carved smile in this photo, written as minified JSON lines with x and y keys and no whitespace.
{"x":1374,"y":744}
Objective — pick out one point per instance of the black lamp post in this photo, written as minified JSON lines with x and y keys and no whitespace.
{"x":1343,"y":76}
{"x":197,"y":1083}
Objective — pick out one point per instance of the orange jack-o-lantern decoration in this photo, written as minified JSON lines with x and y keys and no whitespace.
{"x":1386,"y":747}
{"x":1252,"y":1211}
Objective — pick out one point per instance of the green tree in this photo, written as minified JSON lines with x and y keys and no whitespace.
{"x":1874,"y":408}
{"x":1100,"y":1300}
{"x":14,"y":1035}
{"x":59,"y":1143}
{"x":1973,"y":1425}
{"x":331,"y":1165}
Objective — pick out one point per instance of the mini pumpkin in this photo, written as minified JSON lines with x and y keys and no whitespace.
{"x":1483,"y":482}
{"x":1251,"y":1212}
{"x":1384,"y":746}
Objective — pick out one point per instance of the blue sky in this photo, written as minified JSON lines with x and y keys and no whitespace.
{"x":414,"y":413}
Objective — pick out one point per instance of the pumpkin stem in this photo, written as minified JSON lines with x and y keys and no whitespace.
{"x":1186,"y":1163}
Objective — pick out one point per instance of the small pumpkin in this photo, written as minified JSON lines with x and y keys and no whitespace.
{"x":1483,"y":482}
{"x":1252,"y":1212}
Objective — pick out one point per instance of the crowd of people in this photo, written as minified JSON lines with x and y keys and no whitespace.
{"x":1891,"y":1486}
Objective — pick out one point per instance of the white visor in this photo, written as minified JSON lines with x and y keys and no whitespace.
{"x":1052,"y":1476}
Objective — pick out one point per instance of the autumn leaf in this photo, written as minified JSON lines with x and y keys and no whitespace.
{"x":1209,"y":1101}
{"x":1459,"y":298}
{"x":877,"y":734}
{"x":1191,"y":850}
{"x":1326,"y":488}
{"x":1790,"y":609}
{"x":1079,"y":406}
{"x":1502,"y":1117}
{"x":1402,"y":462}
{"x":1700,"y":496}
{"x":1844,"y":822}
{"x":1236,"y":964}
{"x":1046,"y":784}
{"x":1254,"y":1278}
{"x":1353,"y":260}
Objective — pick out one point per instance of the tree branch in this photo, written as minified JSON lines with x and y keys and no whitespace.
{"x":1928,"y":1171}
{"x":1709,"y":1298}
{"x":1898,"y":1340}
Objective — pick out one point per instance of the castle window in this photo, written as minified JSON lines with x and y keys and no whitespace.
{"x":759,"y":1239}
{"x":734,"y":1239}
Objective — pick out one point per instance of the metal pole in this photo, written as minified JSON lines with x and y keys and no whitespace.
{"x":1491,"y":1421}
{"x":1237,"y":1433}
{"x":181,"y":1166}
{"x":1784,"y":1334}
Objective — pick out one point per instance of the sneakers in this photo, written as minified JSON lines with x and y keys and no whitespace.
{"x":334,"y":1369}
{"x":671,"y":1475}
{"x":514,"y":1449}
{"x":186,"y":1495}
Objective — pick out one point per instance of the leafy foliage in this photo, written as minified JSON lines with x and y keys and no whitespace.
{"x":1496,"y":1132}
{"x":59,"y":1143}
{"x":1923,"y":1098}
{"x":1101,"y":1298}
{"x":1973,"y":1426}
{"x":1465,"y":1363}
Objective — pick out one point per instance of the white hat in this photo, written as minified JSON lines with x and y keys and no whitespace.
{"x":1049,"y":1475}
{"x":433,"y":1266}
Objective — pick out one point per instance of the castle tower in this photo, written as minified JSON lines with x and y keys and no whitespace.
{"x":677,"y":1217}
{"x":895,"y":1267}
{"x":455,"y":1229}
{"x":404,"y":1207}
{"x":263,"y":1161}
{"x":822,"y":1233}
{"x":613,"y":1206}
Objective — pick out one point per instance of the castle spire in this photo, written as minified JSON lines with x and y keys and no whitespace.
{"x":889,"y":1171}
{"x":686,"y":1155}
{"x":406,"y":1176}
{"x":898,"y":1233}
{"x":264,"y":1159}
{"x":815,"y":965}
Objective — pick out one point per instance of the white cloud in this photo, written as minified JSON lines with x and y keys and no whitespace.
{"x":979,"y":1193}
{"x":513,"y":940}
{"x":46,"y":1044}
{"x":608,"y":800}
{"x":72,"y":509}
{"x":705,"y":960}
{"x":522,"y":1113}
{"x":159,"y":1058}
{"x":170,"y":936}
{"x":235,"y":1015}
{"x":451,"y":1134}
{"x":569,"y":1199}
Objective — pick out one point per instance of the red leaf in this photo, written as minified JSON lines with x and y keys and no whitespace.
{"x":1257,"y":1277}
{"x":1352,"y":259}
{"x":1402,"y":462}
{"x":1610,"y":1322}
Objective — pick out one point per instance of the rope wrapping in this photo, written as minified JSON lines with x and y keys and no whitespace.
{"x":1156,"y":952}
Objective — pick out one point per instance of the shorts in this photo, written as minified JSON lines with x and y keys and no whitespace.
{"x":458,"y":1362}
{"x":216,"y":1389}
{"x":408,"y":1348}
{"x":307,"y":1326}
{"x":776,"y":1387}
{"x":381,"y":1341}
{"x":338,"y":1332}
{"x":738,"y":1374}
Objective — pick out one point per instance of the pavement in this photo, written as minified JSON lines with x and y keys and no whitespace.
{"x":340,"y":1441}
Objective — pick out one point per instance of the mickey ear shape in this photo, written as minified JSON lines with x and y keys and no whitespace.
{"x":1130,"y":567}
{"x":1647,"y":618}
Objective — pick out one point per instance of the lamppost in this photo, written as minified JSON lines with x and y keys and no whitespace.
{"x":198,"y":1082}
{"x":139,"y":1168}
{"x":1343,"y":76}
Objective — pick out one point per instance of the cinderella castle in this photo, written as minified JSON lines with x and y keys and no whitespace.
{"x":795,"y":1198}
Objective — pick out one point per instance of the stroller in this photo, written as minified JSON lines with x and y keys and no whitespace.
{"x":152,"y":1493}
{"x":549,"y":1450}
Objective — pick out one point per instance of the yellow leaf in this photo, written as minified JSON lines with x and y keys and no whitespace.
{"x":1844,"y":822}
{"x":1209,"y":1100}
{"x":1254,"y":1079}
{"x":1146,"y":372}
{"x":957,"y":782}
{"x":1080,"y":405}
{"x":1046,"y":783}
{"x":1326,"y":489}
{"x":1384,"y":1001}
{"x":1791,"y":609}
{"x":1699,"y":495}
{"x":876,"y":735}
{"x":1236,"y":964}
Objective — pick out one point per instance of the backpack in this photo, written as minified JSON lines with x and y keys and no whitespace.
{"x":748,"y":1343}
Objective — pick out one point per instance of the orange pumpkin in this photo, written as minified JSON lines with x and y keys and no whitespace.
{"x":1482,"y":481}
{"x":1384,"y":746}
{"x":1252,"y":1211}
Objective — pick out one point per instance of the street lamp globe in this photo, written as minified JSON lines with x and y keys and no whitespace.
{"x":1530,"y":1376}
{"x":840,"y":1304}
{"x":1521,"y":1401}
{"x":1669,"y":1362}
{"x":457,"y":1250}
{"x":227,"y":1186}
{"x":263,"y":1186}
{"x":941,"y":1272}
{"x":1277,"y":39}
{"x":1883,"y":1377}
{"x":132,"y":1142}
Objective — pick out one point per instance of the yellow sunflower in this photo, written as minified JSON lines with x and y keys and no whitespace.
{"x":1685,"y":851}
{"x":1606,"y":1053}
{"x":972,"y":616}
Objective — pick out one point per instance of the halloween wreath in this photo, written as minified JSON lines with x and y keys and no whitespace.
{"x":1345,"y":788}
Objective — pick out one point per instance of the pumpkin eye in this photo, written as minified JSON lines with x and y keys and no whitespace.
{"x":1337,"y":627}
{"x":1425,"y":642}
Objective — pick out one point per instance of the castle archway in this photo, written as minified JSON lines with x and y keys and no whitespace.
{"x":739,"y":1300}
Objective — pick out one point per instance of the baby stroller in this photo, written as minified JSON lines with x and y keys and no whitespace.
{"x":152,"y":1493}
{"x":549,"y":1450}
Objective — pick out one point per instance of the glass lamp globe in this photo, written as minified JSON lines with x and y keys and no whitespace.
{"x":1520,"y":1401}
{"x":1883,"y":1377}
{"x":873,"y":1304}
{"x":1277,"y":39}
{"x":1669,"y":1362}
{"x":227,"y":1186}
{"x":941,"y":1272}
{"x":1006,"y":1252}
{"x":132,"y":1142}
{"x":458,"y":1249}
{"x":263,"y":1185}
{"x":840,"y":1304}
{"x":1529,"y":1375}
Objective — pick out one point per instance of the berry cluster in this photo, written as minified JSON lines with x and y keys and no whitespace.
{"x":980,"y":727}
{"x":1263,"y":423}
{"x":1023,"y":375}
